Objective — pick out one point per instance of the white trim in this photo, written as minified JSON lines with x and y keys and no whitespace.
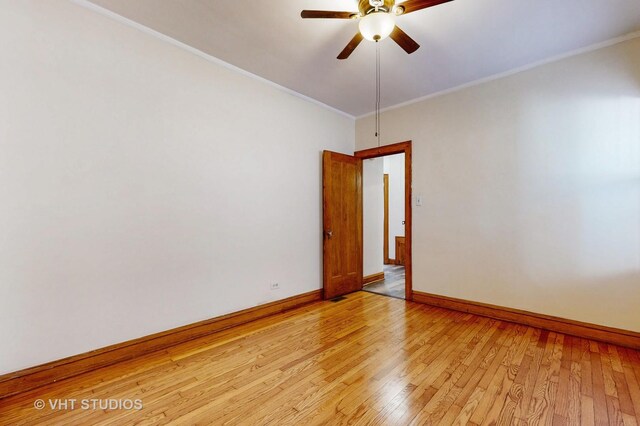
{"x":126,"y":21}
{"x":498,"y":76}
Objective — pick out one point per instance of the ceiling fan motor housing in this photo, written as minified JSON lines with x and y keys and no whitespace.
{"x":365,"y":6}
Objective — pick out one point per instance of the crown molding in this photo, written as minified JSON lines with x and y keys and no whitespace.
{"x":511,"y":72}
{"x":133,"y":24}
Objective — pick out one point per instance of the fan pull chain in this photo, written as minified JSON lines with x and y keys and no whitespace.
{"x":378,"y":92}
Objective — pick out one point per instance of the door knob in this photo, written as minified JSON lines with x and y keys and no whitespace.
{"x":329,"y":234}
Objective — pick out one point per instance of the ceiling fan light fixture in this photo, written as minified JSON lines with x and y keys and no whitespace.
{"x":377,"y":26}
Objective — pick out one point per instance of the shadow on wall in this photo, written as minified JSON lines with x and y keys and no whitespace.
{"x":532,"y":185}
{"x":578,"y":193}
{"x":591,"y":299}
{"x":632,"y":64}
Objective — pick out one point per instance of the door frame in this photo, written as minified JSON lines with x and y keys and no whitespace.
{"x":399,"y":148}
{"x":385,"y":220}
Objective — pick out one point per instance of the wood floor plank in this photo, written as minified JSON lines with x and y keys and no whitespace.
{"x":630,"y":380}
{"x":518,"y":368}
{"x":613,"y":408}
{"x":599,"y":394}
{"x":586,"y":386}
{"x":540,"y":403}
{"x":536,"y":353}
{"x":367,"y":360}
{"x":607,"y":371}
{"x":586,"y":411}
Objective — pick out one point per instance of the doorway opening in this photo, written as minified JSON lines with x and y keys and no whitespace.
{"x":392,"y":284}
{"x":386,"y":191}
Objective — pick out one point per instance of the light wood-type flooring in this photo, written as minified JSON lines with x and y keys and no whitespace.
{"x":393,"y":283}
{"x":367,"y":359}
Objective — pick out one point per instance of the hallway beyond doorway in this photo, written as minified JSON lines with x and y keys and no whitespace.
{"x":393,"y":283}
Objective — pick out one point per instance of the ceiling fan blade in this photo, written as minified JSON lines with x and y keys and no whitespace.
{"x":327,"y":14}
{"x":407,"y":43}
{"x":414,"y":5}
{"x":355,"y":41}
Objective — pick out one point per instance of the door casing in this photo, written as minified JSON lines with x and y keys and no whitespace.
{"x":399,"y":148}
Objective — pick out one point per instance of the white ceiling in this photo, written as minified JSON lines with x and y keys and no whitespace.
{"x":461,"y":41}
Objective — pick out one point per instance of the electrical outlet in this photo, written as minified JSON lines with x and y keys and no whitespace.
{"x":275,"y":286}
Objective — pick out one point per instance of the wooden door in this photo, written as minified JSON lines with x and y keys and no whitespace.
{"x":342,"y":221}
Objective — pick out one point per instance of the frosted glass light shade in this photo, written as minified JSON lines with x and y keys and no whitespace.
{"x":377,"y":25}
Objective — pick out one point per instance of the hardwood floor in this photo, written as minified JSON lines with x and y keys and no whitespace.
{"x":365,"y":360}
{"x":393,"y":283}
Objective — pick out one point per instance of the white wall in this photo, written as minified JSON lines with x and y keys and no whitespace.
{"x":372,"y":215}
{"x":394,"y":167}
{"x":143,"y":187}
{"x":531,"y":188}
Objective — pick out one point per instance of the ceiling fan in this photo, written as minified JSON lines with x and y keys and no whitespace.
{"x":377,"y":21}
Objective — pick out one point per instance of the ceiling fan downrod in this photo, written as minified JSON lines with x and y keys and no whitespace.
{"x":377,"y":133}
